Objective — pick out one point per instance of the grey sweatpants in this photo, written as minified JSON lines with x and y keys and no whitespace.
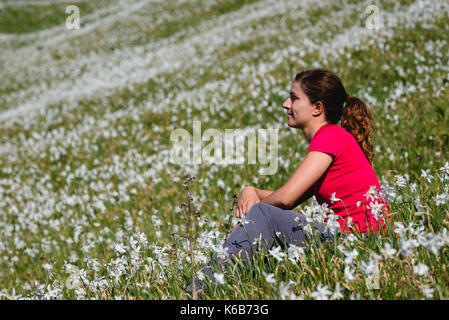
{"x":262,"y":227}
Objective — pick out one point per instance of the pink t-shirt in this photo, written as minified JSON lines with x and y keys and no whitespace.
{"x":350,"y":176}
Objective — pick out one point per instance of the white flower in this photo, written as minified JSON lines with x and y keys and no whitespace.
{"x":332,"y":224}
{"x":428,"y":292}
{"x":418,"y":205}
{"x":308,"y":229}
{"x":400,"y":228}
{"x":432,"y":243}
{"x":440,"y":199}
{"x":357,"y":296}
{"x":47,"y":267}
{"x":376,"y":208}
{"x":341,"y":247}
{"x":426,"y":175}
{"x":351,"y":238}
{"x":349,"y":222}
{"x":119,"y":248}
{"x":369,"y":268}
{"x":333,"y":198}
{"x":220,"y":184}
{"x":26,"y":286}
{"x":350,"y":256}
{"x":277,"y":253}
{"x":420,"y":269}
{"x":444,"y":237}
{"x":141,"y":238}
{"x":388,"y":251}
{"x":284,"y":291}
{"x":445,"y":169}
{"x":337,"y":293}
{"x":222,"y":252}
{"x":294,"y":253}
{"x":269,"y":277}
{"x":321,"y":293}
{"x":401,"y":181}
{"x":407,"y":246}
{"x":371,"y":193}
{"x":13,"y":295}
{"x":219,"y":278}
{"x":375,"y":257}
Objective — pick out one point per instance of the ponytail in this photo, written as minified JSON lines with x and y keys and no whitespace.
{"x":356,"y":119}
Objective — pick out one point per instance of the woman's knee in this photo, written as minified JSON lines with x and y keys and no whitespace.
{"x":259,"y":209}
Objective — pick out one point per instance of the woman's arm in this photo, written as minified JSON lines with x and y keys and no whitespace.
{"x":300,"y":185}
{"x":306,"y":196}
{"x":265,"y":193}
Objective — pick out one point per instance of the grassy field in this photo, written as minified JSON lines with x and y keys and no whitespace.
{"x":90,"y":202}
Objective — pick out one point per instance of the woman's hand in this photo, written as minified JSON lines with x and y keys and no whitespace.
{"x":247,"y":198}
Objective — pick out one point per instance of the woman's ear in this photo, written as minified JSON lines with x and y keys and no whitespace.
{"x":318,"y":108}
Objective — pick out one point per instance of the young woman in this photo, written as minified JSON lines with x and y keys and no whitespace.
{"x":337,"y":170}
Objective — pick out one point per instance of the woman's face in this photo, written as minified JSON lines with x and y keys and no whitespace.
{"x":299,"y":109}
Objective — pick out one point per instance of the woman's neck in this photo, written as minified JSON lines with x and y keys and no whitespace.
{"x":309,"y":132}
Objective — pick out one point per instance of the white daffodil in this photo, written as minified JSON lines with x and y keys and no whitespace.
{"x":432,"y":243}
{"x":428,"y":292}
{"x":371,"y":194}
{"x":388,"y":251}
{"x":376,"y":208}
{"x":277,"y":253}
{"x":420,"y":269}
{"x":294,"y":253}
{"x":321,"y":293}
{"x":284,"y":291}
{"x":337,"y":292}
{"x":369,"y":268}
{"x":441,"y":199}
{"x":269,"y":277}
{"x":350,"y":256}
{"x":119,"y":248}
{"x":445,"y":168}
{"x":219,"y":278}
{"x":222,"y":252}
{"x":425,"y":174}
{"x":333,"y":198}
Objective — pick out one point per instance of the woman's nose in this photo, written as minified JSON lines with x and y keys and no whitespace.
{"x":287,"y":103}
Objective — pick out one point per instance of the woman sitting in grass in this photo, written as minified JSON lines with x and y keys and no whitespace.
{"x":337,"y":170}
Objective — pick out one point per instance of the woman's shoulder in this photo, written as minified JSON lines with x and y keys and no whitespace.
{"x":329,"y":139}
{"x":337,"y":130}
{"x":333,"y":129}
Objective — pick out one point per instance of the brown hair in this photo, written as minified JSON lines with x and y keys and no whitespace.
{"x":323,"y":85}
